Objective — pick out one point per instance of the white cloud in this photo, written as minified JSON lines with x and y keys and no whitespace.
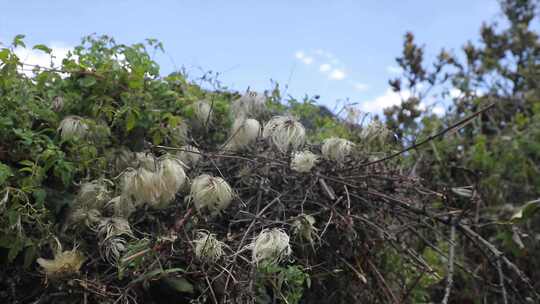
{"x":388,"y":99}
{"x":307,"y":60}
{"x":299,"y":54}
{"x":359,"y":86}
{"x":337,"y":74}
{"x":325,"y":67}
{"x":392,"y":69}
{"x":33,"y":57}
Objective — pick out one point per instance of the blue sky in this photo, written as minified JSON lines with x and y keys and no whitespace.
{"x":335,"y":49}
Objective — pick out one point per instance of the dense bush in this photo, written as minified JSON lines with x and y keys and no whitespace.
{"x":120,"y":185}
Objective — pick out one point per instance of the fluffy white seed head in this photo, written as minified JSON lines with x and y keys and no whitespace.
{"x":272,"y":246}
{"x":212,"y":193}
{"x":179,"y":134}
{"x":207,"y":247}
{"x":93,"y":195}
{"x":112,"y":234}
{"x":142,"y":186}
{"x":336,"y":149}
{"x":82,"y":216}
{"x":376,"y":130}
{"x":147,"y":161}
{"x":304,"y":161}
{"x":285,"y":133}
{"x":304,"y":227}
{"x":65,"y":263}
{"x":73,"y":127}
{"x":250,"y":105}
{"x":172,"y":175}
{"x":203,"y":112}
{"x":189,"y":155}
{"x":244,"y":132}
{"x":122,"y":158}
{"x":120,"y":206}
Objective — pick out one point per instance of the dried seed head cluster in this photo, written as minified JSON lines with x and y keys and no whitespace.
{"x":112,"y":234}
{"x":83,"y":216}
{"x":250,"y":105}
{"x":207,"y":247}
{"x":203,"y":112}
{"x":122,"y":158}
{"x":142,"y":185}
{"x":212,"y":193}
{"x":179,"y":134}
{"x":65,"y":263}
{"x":189,"y":155}
{"x":376,"y":130}
{"x":303,"y":161}
{"x":272,"y":246}
{"x":285,"y":133}
{"x":244,"y":132}
{"x":336,"y":149}
{"x":90,"y":200}
{"x":147,"y":161}
{"x":157,"y":188}
{"x":73,"y":127}
{"x":304,"y":227}
{"x":172,"y":176}
{"x":120,"y":206}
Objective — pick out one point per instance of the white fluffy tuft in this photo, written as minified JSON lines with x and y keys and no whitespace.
{"x":112,"y":234}
{"x":304,"y":161}
{"x":304,"y":227}
{"x":376,"y":130}
{"x":142,"y":185}
{"x":244,"y":132}
{"x":336,"y":149}
{"x":207,"y":247}
{"x":172,"y":176}
{"x":189,"y":155}
{"x":65,"y":263}
{"x":73,"y":127}
{"x":251,"y":104}
{"x":212,"y":193}
{"x":203,"y":112}
{"x":285,"y":133}
{"x":272,"y":246}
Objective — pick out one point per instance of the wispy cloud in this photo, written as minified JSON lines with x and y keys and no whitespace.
{"x":359,"y":86}
{"x":329,"y":65}
{"x":325,"y":67}
{"x":337,"y":74}
{"x":388,"y":99}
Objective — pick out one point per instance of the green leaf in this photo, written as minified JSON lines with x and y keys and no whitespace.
{"x":4,"y":54}
{"x":5,"y":173}
{"x":18,"y":41}
{"x":179,"y":284}
{"x":87,"y":81}
{"x":526,"y":212}
{"x":42,"y":48}
{"x":131,"y":120}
